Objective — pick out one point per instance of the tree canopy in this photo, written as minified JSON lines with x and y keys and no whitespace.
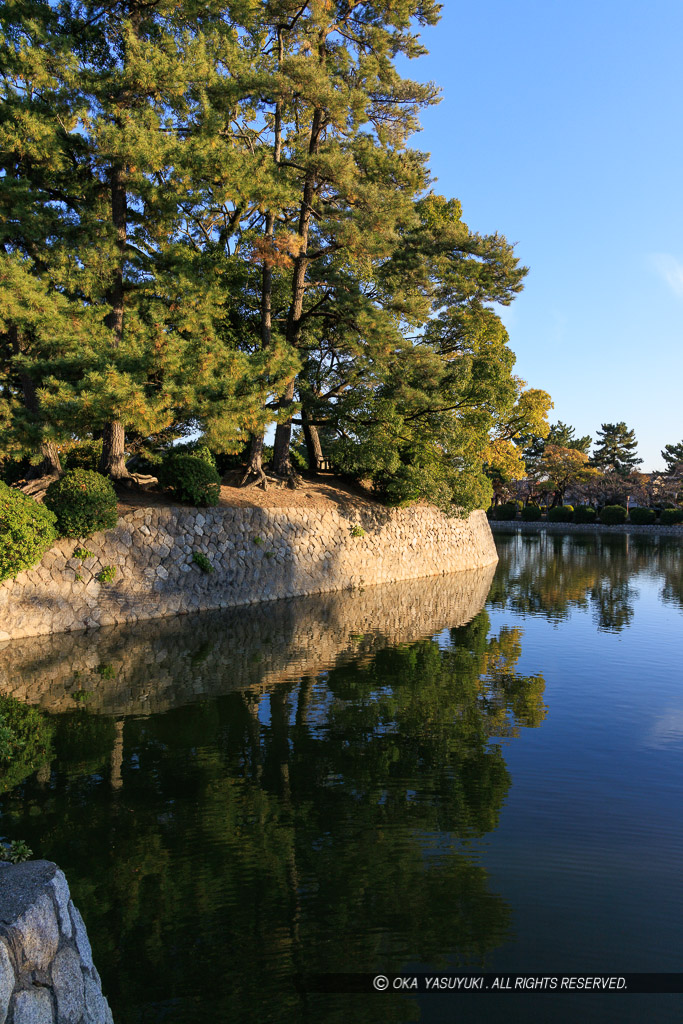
{"x":214,"y":217}
{"x":616,"y":449}
{"x":673,"y":458}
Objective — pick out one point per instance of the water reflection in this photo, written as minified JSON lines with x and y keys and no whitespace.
{"x":310,"y":821}
{"x":550,"y":574}
{"x":154,"y":666}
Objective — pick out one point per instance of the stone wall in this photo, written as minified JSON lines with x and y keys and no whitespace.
{"x":150,"y":667}
{"x":47,"y":974}
{"x":255,"y":554}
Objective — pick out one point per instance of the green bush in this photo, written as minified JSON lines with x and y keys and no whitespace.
{"x":531,"y":513}
{"x":25,"y":741}
{"x":83,"y":455}
{"x":506,"y":512}
{"x":27,"y":529}
{"x":15,"y":852}
{"x":83,"y":553}
{"x":200,"y":559}
{"x":83,"y":501}
{"x":585,"y":514}
{"x":613,"y":515}
{"x":642,"y":516}
{"x":671,"y":516}
{"x":191,"y":479}
{"x":561,"y":514}
{"x":197,"y":449}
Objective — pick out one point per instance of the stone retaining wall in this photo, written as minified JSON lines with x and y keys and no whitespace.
{"x":47,"y":974}
{"x":255,"y":554}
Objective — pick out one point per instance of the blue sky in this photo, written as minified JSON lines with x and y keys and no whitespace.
{"x":561,"y":126}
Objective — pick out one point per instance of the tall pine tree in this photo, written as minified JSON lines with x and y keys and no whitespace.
{"x":615,"y":449}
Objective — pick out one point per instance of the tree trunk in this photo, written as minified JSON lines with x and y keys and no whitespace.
{"x":50,"y":468}
{"x":255,"y":463}
{"x":283,"y":431}
{"x":313,"y":446}
{"x":283,"y":437}
{"x":112,"y":462}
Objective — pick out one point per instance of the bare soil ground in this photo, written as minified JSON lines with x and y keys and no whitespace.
{"x":323,"y":492}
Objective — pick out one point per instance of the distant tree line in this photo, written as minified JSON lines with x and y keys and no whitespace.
{"x":560,"y":463}
{"x":211,"y":220}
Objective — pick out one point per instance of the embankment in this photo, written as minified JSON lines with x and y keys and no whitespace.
{"x":251,"y":554}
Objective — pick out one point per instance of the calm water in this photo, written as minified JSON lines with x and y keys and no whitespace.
{"x":410,"y":777}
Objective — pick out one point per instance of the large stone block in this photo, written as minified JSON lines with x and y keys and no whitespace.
{"x":33,"y":1006}
{"x":7,"y":981}
{"x":45,"y":954}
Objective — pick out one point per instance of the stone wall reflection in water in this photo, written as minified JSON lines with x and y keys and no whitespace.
{"x":325,"y":823}
{"x":153,"y":666}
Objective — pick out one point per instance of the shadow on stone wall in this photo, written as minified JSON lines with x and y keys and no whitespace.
{"x":254,"y":555}
{"x":156,"y":665}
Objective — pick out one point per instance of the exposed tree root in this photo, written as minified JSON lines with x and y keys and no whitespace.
{"x":137,"y":481}
{"x":261,"y":479}
{"x":36,"y":488}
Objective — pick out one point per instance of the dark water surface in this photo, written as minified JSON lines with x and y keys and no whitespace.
{"x":409,"y":777}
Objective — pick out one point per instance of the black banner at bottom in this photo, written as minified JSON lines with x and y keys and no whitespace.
{"x":496,"y":983}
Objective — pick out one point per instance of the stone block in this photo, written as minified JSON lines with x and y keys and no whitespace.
{"x":37,"y":932}
{"x":81,"y":937}
{"x":60,"y":892}
{"x":33,"y":1006}
{"x":6,"y":981}
{"x":67,"y":984}
{"x":96,"y":1006}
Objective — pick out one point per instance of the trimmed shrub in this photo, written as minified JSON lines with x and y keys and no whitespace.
{"x":506,"y":511}
{"x":671,"y":516}
{"x":197,"y":449}
{"x":531,"y":513}
{"x":561,"y":514}
{"x":83,"y":501}
{"x":613,"y":515}
{"x":83,"y":455}
{"x":585,"y":514}
{"x":191,"y":480}
{"x":642,"y":516}
{"x":27,"y":529}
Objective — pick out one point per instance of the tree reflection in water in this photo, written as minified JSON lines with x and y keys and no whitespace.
{"x":551,"y":574}
{"x":221,"y":849}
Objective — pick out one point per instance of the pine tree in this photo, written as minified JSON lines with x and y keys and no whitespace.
{"x":229,"y":216}
{"x":417,"y":374}
{"x":327,"y":131}
{"x":37,"y":181}
{"x":616,"y":449}
{"x":110,"y":182}
{"x":673,"y":457}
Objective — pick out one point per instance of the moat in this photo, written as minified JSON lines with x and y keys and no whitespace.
{"x":476,"y":771}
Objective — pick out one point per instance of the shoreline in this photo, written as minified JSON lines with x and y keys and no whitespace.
{"x":518,"y":526}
